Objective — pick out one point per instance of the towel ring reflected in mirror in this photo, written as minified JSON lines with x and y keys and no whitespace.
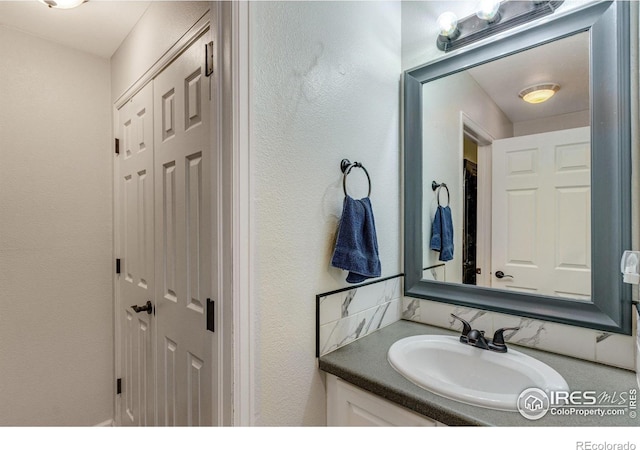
{"x":345,"y":167}
{"x":437,"y":186}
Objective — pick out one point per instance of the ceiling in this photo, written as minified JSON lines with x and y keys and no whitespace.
{"x":565,"y":62}
{"x":97,"y":26}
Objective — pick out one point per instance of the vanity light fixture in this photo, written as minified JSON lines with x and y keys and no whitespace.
{"x":539,"y":93}
{"x":63,"y":4}
{"x":491,"y":17}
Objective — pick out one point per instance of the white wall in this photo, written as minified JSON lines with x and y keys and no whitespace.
{"x":161,"y":26}
{"x":554,"y":123}
{"x":445,"y":99}
{"x":325,"y":86}
{"x":56,"y":310}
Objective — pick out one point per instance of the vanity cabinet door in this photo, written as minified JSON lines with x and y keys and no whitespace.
{"x":349,"y":406}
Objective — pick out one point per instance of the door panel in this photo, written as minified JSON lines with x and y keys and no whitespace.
{"x":183,"y":240}
{"x":542,"y":213}
{"x":136,"y":282}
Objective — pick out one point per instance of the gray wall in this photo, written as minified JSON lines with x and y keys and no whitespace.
{"x":56,"y":306}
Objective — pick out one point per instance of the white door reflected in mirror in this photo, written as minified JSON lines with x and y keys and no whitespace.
{"x":541,"y":214}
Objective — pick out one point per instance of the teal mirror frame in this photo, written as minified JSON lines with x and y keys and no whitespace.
{"x":611,"y":307}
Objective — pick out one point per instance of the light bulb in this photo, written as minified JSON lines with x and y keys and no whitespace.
{"x":488,"y":10}
{"x":447,"y":23}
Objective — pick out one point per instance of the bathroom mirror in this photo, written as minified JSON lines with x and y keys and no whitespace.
{"x":517,"y":174}
{"x":539,"y":194}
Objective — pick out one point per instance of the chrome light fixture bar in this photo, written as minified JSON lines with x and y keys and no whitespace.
{"x":508,"y":15}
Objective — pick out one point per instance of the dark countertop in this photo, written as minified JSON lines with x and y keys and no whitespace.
{"x":364,"y":364}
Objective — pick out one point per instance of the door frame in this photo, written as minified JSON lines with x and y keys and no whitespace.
{"x":219,"y":19}
{"x":483,"y":139}
{"x":237,"y":136}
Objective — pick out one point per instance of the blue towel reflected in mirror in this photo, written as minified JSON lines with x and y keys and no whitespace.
{"x":442,"y":233}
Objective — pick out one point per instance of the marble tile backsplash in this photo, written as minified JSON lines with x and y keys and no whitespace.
{"x":599,"y":346}
{"x":355,"y":313}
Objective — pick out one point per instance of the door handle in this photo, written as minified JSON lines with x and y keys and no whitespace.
{"x":148,"y":307}
{"x":500,"y":274}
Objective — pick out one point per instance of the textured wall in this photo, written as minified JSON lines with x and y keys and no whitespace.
{"x":325,"y":86}
{"x":56,"y":311}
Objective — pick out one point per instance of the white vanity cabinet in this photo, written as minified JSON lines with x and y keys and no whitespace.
{"x":350,"y":406}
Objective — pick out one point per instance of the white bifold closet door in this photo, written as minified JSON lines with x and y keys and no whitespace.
{"x":169,"y":358}
{"x":136,"y":280}
{"x":183,"y":221}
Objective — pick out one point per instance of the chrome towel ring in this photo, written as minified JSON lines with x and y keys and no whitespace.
{"x":345,"y":167}
{"x":435,"y":186}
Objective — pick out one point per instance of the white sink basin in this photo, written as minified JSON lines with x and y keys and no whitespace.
{"x":447,"y":367}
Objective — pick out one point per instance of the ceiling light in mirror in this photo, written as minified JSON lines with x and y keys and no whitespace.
{"x":539,"y":93}
{"x":62,"y":4}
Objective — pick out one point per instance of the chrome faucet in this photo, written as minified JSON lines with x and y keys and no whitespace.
{"x":476,"y":338}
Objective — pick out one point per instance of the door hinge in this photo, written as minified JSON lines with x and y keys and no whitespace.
{"x":211,"y":315}
{"x":208,"y":59}
{"x":117,"y":146}
{"x":119,"y":386}
{"x":118,"y":265}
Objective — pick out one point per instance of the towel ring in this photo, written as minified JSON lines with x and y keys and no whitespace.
{"x":345,"y":167}
{"x":437,"y":186}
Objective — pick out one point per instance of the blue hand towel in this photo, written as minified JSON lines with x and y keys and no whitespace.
{"x":357,"y":245}
{"x":442,"y":233}
{"x":436,"y":231}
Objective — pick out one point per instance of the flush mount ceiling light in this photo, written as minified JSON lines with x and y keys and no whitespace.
{"x":539,"y":93}
{"x":63,"y":4}
{"x":491,"y":17}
